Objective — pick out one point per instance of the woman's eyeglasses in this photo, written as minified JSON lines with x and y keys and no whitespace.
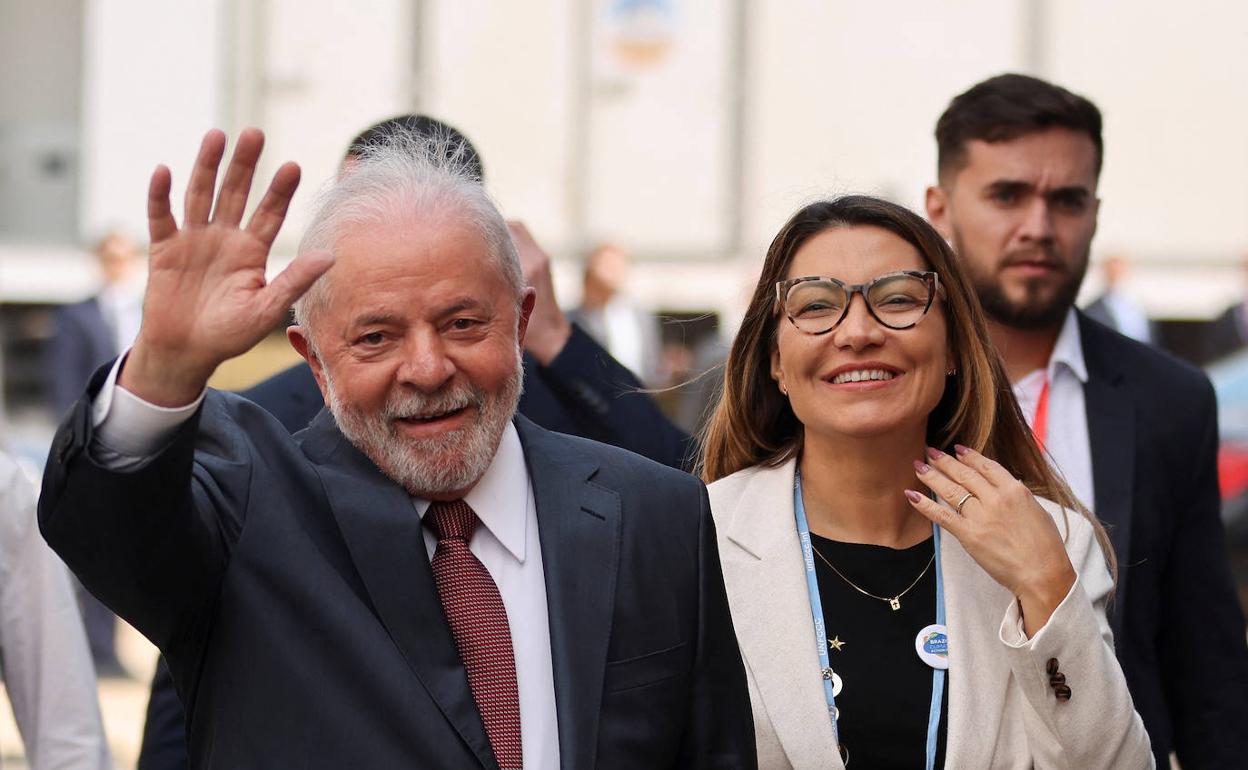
{"x":816,"y":305}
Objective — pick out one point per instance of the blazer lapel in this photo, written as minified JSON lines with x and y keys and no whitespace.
{"x":771,"y":611}
{"x":579,"y":529}
{"x":383,"y":535}
{"x":1111,"y":433}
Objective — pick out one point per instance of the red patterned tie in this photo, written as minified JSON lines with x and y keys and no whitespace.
{"x":478,"y":621}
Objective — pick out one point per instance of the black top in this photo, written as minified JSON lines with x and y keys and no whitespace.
{"x":886,"y":693}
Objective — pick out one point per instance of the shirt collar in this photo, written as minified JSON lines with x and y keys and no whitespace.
{"x":1068,"y":350}
{"x":501,"y":498}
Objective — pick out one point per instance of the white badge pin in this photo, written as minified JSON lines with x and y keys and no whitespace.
{"x":932,"y":645}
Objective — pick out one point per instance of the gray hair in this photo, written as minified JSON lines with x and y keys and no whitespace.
{"x":408,"y":175}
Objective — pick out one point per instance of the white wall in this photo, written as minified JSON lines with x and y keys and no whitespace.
{"x":152,"y":86}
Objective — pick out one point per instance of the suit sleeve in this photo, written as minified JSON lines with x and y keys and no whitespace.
{"x":1098,"y":727}
{"x":151,"y":541}
{"x":1201,"y":639}
{"x":721,"y":725}
{"x":607,"y":404}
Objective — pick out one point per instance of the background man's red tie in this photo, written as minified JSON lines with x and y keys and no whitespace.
{"x":479,"y":624}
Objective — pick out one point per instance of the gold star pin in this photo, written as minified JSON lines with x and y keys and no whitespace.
{"x":836,"y":643}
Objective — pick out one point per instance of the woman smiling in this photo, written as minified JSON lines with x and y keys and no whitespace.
{"x":910,"y":583}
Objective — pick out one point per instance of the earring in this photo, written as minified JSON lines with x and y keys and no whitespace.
{"x":783,"y":389}
{"x":952,"y":371}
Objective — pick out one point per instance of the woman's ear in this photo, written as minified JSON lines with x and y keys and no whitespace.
{"x":777,"y":373}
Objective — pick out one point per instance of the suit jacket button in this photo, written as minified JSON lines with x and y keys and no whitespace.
{"x":1051,"y":668}
{"x":1062,"y":692}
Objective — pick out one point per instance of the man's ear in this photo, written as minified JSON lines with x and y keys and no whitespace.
{"x":302,"y":343}
{"x":936,"y":201}
{"x":527,"y":303}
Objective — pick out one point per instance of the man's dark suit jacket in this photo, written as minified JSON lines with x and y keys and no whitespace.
{"x":1178,"y":628}
{"x":81,"y":341}
{"x":286,"y":581}
{"x":583,"y":392}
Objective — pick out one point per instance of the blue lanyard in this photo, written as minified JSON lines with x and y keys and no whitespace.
{"x":821,"y":632}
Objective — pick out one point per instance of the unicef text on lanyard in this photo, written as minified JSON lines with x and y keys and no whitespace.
{"x":821,"y":634}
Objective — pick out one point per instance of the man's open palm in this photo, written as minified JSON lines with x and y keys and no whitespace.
{"x":207,"y":298}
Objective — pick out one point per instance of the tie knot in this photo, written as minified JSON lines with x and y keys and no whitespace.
{"x":451,"y":519}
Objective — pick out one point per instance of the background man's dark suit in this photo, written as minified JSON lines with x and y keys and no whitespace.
{"x":292,"y":597}
{"x":82,"y":340}
{"x":1178,"y":628}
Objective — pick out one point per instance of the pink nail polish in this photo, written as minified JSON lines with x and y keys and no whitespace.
{"x":961,"y":450}
{"x":921,"y":466}
{"x":913,"y":496}
{"x":934,"y":453}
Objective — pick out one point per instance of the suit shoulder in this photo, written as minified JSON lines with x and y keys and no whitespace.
{"x":726,"y":489}
{"x":1163,"y":373}
{"x":624,"y":464}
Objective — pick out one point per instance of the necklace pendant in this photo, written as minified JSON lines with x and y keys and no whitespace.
{"x":895,"y":603}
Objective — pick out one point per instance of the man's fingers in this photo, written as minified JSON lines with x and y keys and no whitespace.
{"x":199,"y":189}
{"x":271,"y":212}
{"x":232,"y":199}
{"x":297,"y":278}
{"x":160,"y":222}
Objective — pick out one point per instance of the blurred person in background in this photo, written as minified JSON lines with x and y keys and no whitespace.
{"x":609,"y":315}
{"x":571,"y":385}
{"x":85,"y":335}
{"x":854,"y":595}
{"x":1228,"y":333}
{"x":44,"y":658}
{"x":1115,"y":308}
{"x":1131,"y":429}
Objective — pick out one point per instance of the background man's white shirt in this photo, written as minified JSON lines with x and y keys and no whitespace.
{"x":1066,"y":440}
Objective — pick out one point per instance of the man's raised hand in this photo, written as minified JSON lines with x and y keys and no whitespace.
{"x":207,"y":298}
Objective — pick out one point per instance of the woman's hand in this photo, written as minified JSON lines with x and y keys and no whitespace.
{"x":1001,"y":526}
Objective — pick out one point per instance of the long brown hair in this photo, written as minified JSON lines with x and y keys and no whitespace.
{"x":753,"y":424}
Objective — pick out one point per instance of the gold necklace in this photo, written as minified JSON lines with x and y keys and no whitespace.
{"x":894,"y":602}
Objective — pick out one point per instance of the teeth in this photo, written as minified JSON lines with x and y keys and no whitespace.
{"x":862,"y":375}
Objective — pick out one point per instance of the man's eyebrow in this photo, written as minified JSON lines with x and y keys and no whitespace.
{"x":374,"y":319}
{"x":1008,"y":185}
{"x":460,"y":305}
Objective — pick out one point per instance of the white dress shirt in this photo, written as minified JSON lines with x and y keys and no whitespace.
{"x":47,"y":665}
{"x":1066,"y":441}
{"x":131,"y":430}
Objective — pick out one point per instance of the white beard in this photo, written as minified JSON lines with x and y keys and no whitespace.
{"x":436,"y":466}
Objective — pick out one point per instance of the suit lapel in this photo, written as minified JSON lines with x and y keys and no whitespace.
{"x":1111,"y":433}
{"x":383,"y":535}
{"x":579,"y":524}
{"x":771,"y":610}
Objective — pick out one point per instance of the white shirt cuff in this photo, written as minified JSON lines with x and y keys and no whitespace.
{"x":129,"y":428}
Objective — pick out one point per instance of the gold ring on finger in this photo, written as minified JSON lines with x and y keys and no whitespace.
{"x":962,"y":502}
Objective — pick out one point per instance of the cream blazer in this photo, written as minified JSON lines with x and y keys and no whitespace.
{"x":1002,"y":711}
